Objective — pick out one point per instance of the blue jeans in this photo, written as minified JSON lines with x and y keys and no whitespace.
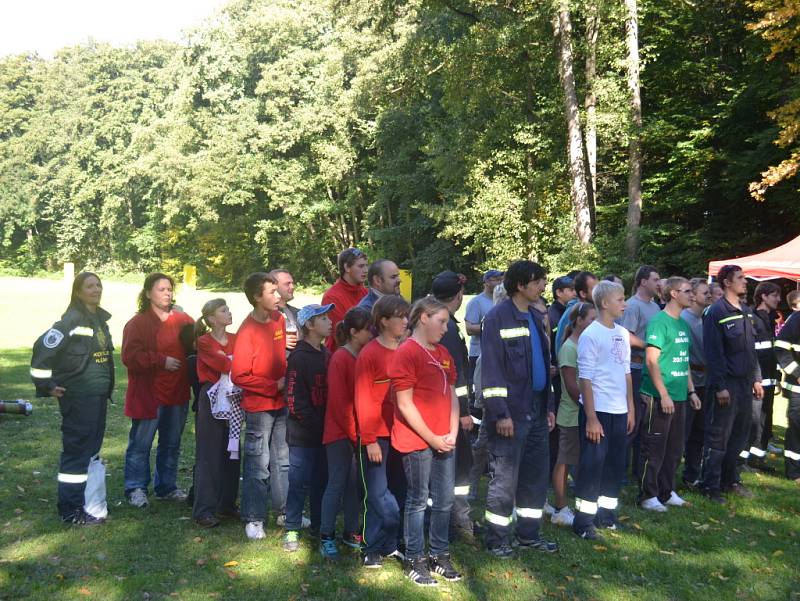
{"x":428,"y":475}
{"x":261,"y":427}
{"x":342,"y":484}
{"x":279,"y":465}
{"x":169,"y":423}
{"x":381,"y":510}
{"x":518,"y":472}
{"x":308,"y":475}
{"x":601,"y":468}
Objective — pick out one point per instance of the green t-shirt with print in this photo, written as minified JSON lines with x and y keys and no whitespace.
{"x":673,"y":337}
{"x":568,"y":409}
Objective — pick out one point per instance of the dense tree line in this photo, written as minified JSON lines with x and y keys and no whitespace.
{"x":442,"y":133}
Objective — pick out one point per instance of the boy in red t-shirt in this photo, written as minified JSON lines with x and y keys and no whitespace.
{"x":425,"y":430}
{"x":259,"y":369}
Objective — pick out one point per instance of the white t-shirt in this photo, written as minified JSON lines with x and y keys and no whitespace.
{"x":604,"y":358}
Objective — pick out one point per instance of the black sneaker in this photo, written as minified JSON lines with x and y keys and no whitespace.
{"x":502,"y":552}
{"x":589,"y":533}
{"x":441,"y":564}
{"x":416,"y":570}
{"x":716,"y":496}
{"x":80,"y":518}
{"x":741,"y":490}
{"x":373,"y":561}
{"x":539,"y":544}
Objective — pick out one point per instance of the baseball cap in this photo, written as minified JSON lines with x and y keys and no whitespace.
{"x":492,"y":273}
{"x":311,"y":311}
{"x":447,"y":284}
{"x":563,"y":282}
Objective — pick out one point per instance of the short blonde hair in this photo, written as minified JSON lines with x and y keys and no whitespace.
{"x":604,"y":289}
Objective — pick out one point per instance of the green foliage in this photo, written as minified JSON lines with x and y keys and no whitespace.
{"x":427,"y":131}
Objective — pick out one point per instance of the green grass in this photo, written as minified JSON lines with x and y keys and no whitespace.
{"x":747,"y":550}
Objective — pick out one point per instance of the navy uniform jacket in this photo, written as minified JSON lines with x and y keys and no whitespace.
{"x":729,"y":341}
{"x":765,"y":339}
{"x":787,"y":351}
{"x":506,"y":363}
{"x":454,"y":342}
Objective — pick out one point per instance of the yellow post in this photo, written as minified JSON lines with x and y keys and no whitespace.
{"x":406,"y":281}
{"x":190,"y":277}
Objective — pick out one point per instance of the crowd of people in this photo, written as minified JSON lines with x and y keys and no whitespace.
{"x":379,"y":410}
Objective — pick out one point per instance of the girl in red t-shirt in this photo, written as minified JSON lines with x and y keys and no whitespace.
{"x":425,"y":429}
{"x":339,"y":436}
{"x":216,"y":474}
{"x":374,"y":414}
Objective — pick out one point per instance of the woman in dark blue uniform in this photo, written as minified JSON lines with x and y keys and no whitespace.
{"x":73,"y":362}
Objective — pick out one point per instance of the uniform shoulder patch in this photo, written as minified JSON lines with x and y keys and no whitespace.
{"x":52,"y":338}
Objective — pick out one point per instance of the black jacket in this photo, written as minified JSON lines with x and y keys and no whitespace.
{"x":729,"y":341}
{"x":787,"y":350}
{"x":64,"y":350}
{"x":764,"y":324}
{"x":306,"y":394}
{"x":454,"y":342}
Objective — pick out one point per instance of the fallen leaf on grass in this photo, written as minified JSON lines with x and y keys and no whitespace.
{"x":666,"y":552}
{"x":569,"y":578}
{"x":230,"y":564}
{"x":771,"y":533}
{"x":777,"y":553}
{"x":231,"y":574}
{"x":84,"y":591}
{"x":197,"y":539}
{"x":703,"y":527}
{"x":597,"y":576}
{"x":710,"y":519}
{"x":201,"y":562}
{"x":637,"y":526}
{"x":20,"y":489}
{"x":737,"y":531}
{"x":600,"y":548}
{"x":622,"y":518}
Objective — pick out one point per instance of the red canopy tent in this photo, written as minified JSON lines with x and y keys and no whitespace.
{"x":780,"y":262}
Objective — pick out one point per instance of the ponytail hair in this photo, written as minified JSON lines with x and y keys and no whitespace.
{"x":580,"y":311}
{"x":425,"y":306}
{"x":201,"y":326}
{"x":357,"y":319}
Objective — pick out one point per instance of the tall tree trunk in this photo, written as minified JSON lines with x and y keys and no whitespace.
{"x":634,"y":135}
{"x":590,"y":102}
{"x":578,"y":193}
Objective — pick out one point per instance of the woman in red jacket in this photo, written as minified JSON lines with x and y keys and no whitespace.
{"x":374,"y":414}
{"x":339,"y":435}
{"x":158,"y":392}
{"x":425,"y":428}
{"x":216,"y":473}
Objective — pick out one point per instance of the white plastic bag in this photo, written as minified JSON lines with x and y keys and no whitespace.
{"x":95,"y":493}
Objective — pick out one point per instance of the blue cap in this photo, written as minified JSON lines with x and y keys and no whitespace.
{"x":493,"y":273}
{"x":311,"y":311}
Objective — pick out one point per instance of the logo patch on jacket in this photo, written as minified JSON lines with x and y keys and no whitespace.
{"x":52,"y":338}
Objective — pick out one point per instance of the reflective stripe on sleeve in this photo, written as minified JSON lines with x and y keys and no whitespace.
{"x":82,"y":331}
{"x":755,"y":451}
{"x":769,"y":382}
{"x":785,"y":344}
{"x":744,"y":454}
{"x":791,"y":387}
{"x":731,"y":318}
{"x":497,"y":391}
{"x":529,"y":512}
{"x":461,"y":491}
{"x":462,"y":391}
{"x":507,"y":333}
{"x":586,"y":506}
{"x":497,"y":520}
{"x":791,"y":368}
{"x":765,"y":344}
{"x":72,"y":478}
{"x":41,"y":373}
{"x":607,"y":502}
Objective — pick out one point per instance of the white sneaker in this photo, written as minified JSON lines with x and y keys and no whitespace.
{"x":653,"y":504}
{"x":138,"y":498}
{"x":675,"y":500}
{"x":254,"y":530}
{"x":548,"y":509}
{"x":563,"y":517}
{"x":281,"y":521}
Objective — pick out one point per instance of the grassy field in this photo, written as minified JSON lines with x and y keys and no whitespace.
{"x":749,"y":549}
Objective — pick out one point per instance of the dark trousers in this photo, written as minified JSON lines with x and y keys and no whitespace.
{"x":381,"y":510}
{"x":83,"y":425}
{"x":518,"y":472}
{"x":761,"y":425}
{"x":216,"y":475}
{"x":429,"y":475}
{"x":480,"y":459}
{"x":662,"y":447}
{"x":308,"y":476}
{"x":694,"y":429}
{"x":463,"y":460}
{"x":601,"y":469}
{"x":726,"y":432}
{"x":342,"y":487}
{"x":634,"y":438}
{"x":791,"y":451}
